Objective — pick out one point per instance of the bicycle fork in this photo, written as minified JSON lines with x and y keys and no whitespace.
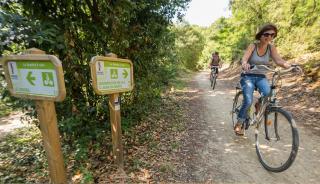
{"x":275,"y":124}
{"x":267,"y":122}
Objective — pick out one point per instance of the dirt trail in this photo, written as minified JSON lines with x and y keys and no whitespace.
{"x":215,"y":154}
{"x":11,"y":122}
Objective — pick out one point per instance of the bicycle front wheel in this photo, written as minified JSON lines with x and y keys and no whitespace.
{"x":211,"y":77}
{"x":277,"y":140}
{"x":214,"y":81}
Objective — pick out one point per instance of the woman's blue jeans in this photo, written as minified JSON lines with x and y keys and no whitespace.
{"x":248,"y":84}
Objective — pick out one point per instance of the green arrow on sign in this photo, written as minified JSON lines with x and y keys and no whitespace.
{"x":30,"y":78}
{"x":125,"y":73}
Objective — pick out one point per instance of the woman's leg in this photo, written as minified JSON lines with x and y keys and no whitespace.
{"x":264,"y":90}
{"x":247,"y":85}
{"x":263,"y":86}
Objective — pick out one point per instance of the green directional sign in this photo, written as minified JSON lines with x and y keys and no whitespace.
{"x":125,"y":74}
{"x":111,"y":75}
{"x":30,"y":78}
{"x":34,"y":76}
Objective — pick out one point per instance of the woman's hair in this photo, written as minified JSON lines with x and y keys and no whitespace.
{"x":265,"y":28}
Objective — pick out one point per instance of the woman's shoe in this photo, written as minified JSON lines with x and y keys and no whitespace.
{"x":238,"y":130}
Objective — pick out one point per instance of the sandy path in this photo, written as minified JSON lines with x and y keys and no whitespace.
{"x":219,"y":156}
{"x":11,"y":122}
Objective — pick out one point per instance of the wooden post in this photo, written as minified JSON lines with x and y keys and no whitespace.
{"x":50,"y":135}
{"x":115,"y":117}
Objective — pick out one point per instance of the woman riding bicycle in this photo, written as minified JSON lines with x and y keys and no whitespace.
{"x":215,"y":61}
{"x":257,"y":54}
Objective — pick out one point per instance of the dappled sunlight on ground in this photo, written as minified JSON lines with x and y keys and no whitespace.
{"x":236,"y":152}
{"x":11,"y":122}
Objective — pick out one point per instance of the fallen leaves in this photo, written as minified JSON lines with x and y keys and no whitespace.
{"x":23,"y":158}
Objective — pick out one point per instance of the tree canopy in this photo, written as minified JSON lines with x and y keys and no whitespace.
{"x":76,"y":30}
{"x":298,"y":23}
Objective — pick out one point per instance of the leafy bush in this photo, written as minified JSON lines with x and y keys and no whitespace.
{"x":75,"y":31}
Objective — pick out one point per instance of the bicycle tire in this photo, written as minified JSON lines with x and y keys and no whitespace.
{"x":237,"y":102}
{"x":214,"y":81}
{"x":278,"y":151}
{"x":211,"y":79}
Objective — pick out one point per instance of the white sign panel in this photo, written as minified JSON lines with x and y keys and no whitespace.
{"x":33,"y":78}
{"x":111,"y":75}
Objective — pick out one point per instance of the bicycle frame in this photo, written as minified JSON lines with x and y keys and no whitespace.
{"x":214,"y":69}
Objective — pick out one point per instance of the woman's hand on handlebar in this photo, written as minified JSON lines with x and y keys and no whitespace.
{"x":296,"y":68}
{"x":245,"y":66}
{"x":287,"y":65}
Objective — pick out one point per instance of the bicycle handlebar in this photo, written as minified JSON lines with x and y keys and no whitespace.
{"x":294,"y":67}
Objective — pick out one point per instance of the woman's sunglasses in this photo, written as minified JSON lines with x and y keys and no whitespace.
{"x":268,"y":34}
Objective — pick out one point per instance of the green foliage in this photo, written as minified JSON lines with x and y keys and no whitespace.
{"x":77,"y":30}
{"x":87,"y":176}
{"x":4,"y":109}
{"x":189,"y":45}
{"x":297,"y":21}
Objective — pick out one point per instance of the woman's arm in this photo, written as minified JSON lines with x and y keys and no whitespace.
{"x":246,"y":57}
{"x":210,"y":63}
{"x":277,"y":58}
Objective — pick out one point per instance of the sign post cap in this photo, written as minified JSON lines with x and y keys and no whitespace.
{"x":34,"y":51}
{"x":112,"y":55}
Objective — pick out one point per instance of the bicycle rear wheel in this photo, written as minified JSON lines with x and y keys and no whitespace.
{"x":277,"y":140}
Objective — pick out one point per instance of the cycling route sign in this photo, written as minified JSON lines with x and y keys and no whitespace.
{"x":111,"y":75}
{"x":38,"y":77}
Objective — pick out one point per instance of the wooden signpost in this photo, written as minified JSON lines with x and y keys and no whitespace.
{"x":37,"y":76}
{"x":111,"y":75}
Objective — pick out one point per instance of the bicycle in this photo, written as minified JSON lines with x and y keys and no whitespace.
{"x":213,"y":76}
{"x":278,"y":142}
